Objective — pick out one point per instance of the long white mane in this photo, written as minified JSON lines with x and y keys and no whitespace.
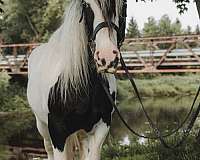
{"x":71,"y":41}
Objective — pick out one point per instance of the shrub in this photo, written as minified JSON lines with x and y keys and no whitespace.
{"x":12,"y":95}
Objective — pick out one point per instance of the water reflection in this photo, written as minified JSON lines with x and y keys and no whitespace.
{"x":166,"y":113}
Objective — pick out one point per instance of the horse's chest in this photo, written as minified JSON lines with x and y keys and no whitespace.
{"x":77,"y":112}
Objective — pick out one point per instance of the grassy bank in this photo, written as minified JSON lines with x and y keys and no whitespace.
{"x":13,"y":95}
{"x":161,"y":86}
{"x":152,"y":150}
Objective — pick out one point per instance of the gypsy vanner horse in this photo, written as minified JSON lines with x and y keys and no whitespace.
{"x":72,"y":111}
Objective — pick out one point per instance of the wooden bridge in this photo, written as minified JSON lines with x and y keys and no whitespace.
{"x":142,"y":55}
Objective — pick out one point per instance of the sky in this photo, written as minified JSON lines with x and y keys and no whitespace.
{"x":141,"y":11}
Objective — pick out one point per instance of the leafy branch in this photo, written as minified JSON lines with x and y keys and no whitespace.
{"x":180,"y":4}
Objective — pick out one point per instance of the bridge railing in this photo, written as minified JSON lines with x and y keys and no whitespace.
{"x":180,"y":54}
{"x":14,"y":57}
{"x":161,"y":54}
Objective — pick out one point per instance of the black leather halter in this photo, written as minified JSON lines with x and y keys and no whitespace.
{"x":120,"y":30}
{"x":106,"y":25}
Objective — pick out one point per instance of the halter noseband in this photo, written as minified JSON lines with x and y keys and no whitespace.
{"x":105,"y":25}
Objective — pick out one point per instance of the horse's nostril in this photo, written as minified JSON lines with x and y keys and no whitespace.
{"x":97,"y":53}
{"x":103,"y":61}
{"x":115,"y":52}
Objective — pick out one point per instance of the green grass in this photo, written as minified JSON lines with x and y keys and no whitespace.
{"x":161,"y":86}
{"x":4,"y":152}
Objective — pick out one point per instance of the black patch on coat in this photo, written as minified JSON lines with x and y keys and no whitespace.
{"x":77,"y":112}
{"x":89,"y":20}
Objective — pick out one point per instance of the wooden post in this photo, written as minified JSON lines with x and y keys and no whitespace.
{"x":1,"y":42}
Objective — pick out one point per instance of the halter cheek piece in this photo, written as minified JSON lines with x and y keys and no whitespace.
{"x":120,"y":30}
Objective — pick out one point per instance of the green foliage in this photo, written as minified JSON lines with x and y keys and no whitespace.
{"x":188,"y":30}
{"x":13,"y":124}
{"x":52,"y":17}
{"x":26,"y":21}
{"x":19,"y":23}
{"x":151,"y":28}
{"x":163,"y":27}
{"x":197,"y":29}
{"x":4,"y":81}
{"x":4,"y":152}
{"x":34,"y":21}
{"x":132,"y":30}
{"x":12,"y":96}
{"x":176,"y":27}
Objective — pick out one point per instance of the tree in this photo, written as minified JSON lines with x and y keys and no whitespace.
{"x":176,"y":27}
{"x":19,"y":23}
{"x":26,"y":21}
{"x":151,"y":28}
{"x":52,"y":17}
{"x":197,"y":29}
{"x":165,"y":26}
{"x":188,"y":30}
{"x":133,"y":30}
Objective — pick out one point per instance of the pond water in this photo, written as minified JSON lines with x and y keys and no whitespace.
{"x":167,"y":113}
{"x":19,"y":128}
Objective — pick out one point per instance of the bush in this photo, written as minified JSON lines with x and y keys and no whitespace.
{"x":12,"y":95}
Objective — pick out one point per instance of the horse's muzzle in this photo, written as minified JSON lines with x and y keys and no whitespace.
{"x":110,"y":67}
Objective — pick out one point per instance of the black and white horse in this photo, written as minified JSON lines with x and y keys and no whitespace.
{"x":71,"y":108}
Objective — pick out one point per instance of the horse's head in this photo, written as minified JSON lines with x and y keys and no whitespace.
{"x":105,"y":23}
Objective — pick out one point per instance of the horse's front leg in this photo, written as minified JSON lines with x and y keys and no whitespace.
{"x":43,"y":130}
{"x":95,"y":141}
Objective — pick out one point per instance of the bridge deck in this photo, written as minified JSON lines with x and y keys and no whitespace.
{"x":14,"y":57}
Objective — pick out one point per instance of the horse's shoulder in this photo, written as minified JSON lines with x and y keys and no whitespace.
{"x":36,"y":55}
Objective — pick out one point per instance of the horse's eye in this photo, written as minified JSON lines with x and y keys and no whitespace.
{"x":87,"y":5}
{"x":89,"y":18}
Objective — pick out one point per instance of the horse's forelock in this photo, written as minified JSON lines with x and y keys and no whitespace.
{"x":108,"y":8}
